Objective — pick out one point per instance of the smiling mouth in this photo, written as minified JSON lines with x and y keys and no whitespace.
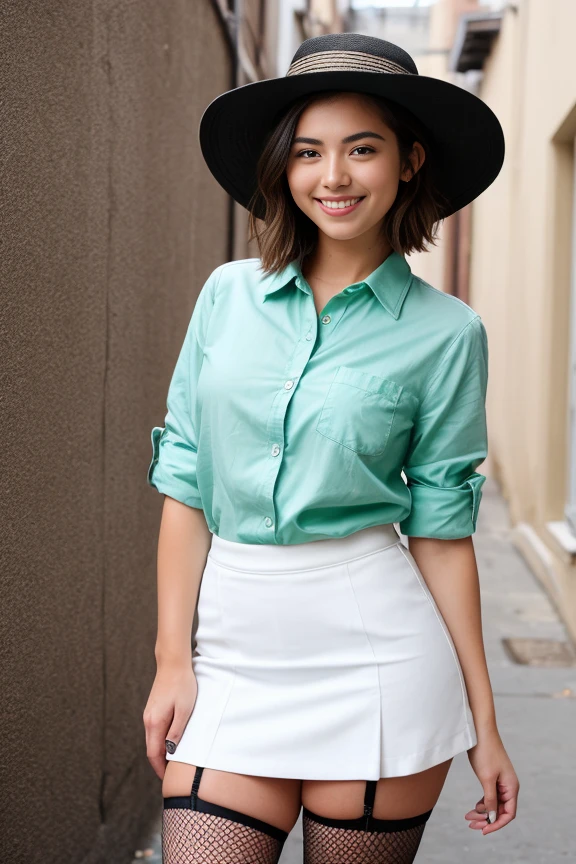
{"x":337,"y":210}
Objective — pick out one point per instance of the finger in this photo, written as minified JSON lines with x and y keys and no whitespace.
{"x":478,"y":816}
{"x":502,"y":820}
{"x":475,"y":815}
{"x":156,"y":757}
{"x":176,"y":730}
{"x":490,"y":800}
{"x":476,"y":821}
{"x":511,"y":807}
{"x":507,"y":812}
{"x":159,"y":763}
{"x":479,"y":810}
{"x":156,"y":745}
{"x":508,"y":797}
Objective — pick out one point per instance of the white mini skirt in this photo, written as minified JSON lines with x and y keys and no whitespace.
{"x":325,"y":660}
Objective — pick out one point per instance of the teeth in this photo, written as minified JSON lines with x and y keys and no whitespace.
{"x":339,"y":205}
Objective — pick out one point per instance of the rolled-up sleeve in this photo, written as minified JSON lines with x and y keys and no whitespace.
{"x":172,"y":469}
{"x":449,"y":441}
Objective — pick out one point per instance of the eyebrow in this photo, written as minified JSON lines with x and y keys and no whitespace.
{"x":348,"y":140}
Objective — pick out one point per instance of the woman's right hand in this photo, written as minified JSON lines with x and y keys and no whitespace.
{"x":168,"y":710}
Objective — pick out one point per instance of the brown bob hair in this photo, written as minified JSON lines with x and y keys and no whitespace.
{"x":286,"y":233}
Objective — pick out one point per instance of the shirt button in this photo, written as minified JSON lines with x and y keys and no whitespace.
{"x":275,"y":450}
{"x":288,"y":385}
{"x":308,"y":337}
{"x":326,"y":319}
{"x":268,"y":522}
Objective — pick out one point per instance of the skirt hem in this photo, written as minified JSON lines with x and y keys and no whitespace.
{"x":400,"y":766}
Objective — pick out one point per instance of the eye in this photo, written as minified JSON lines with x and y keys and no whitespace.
{"x":360,"y":147}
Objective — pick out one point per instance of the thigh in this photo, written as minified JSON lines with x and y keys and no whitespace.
{"x":396,"y":797}
{"x":272,"y":799}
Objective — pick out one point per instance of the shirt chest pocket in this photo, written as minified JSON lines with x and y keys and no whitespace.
{"x":359,"y":411}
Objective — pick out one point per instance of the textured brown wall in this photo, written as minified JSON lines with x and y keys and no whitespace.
{"x":110,"y":222}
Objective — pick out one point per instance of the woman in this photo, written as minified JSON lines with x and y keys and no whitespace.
{"x":330,"y":667}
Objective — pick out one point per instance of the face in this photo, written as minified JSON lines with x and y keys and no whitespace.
{"x":343,"y":151}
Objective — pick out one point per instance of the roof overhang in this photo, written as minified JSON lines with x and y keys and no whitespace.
{"x":473,"y":41}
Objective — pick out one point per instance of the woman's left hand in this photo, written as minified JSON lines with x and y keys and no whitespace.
{"x":494,"y":769}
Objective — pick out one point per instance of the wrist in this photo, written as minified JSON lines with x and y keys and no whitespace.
{"x":172,"y":658}
{"x":486,"y":729}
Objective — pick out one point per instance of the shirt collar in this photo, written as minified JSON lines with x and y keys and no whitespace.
{"x":390,"y":282}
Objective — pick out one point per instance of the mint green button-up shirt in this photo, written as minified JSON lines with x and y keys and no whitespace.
{"x":285,"y":426}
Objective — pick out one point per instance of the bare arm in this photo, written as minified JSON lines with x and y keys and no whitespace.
{"x":183,"y":544}
{"x":450,"y":571}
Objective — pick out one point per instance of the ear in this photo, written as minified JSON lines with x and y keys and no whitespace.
{"x":416,"y":158}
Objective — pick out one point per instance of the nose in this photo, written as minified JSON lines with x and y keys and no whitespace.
{"x":335,"y":173}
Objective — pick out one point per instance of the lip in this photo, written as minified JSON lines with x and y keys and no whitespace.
{"x":338,"y":211}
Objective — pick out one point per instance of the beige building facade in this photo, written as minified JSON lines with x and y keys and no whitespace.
{"x":522,"y":280}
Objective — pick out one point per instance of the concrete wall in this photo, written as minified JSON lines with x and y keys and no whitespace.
{"x":110,"y":224}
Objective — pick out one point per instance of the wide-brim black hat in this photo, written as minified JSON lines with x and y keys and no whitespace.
{"x":464,"y":134}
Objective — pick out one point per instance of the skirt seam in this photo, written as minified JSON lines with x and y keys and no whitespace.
{"x":377,"y":669}
{"x":308,"y":569}
{"x":234,"y":670}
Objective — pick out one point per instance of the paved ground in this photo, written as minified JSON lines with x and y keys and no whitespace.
{"x":537,"y":724}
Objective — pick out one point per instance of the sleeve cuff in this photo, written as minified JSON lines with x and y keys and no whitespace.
{"x":173,"y":475}
{"x":444,"y":513}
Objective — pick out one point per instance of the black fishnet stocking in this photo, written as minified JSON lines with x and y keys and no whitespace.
{"x":365,"y":840}
{"x":188,"y":836}
{"x":195,"y":831}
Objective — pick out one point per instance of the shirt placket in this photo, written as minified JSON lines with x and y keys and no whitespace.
{"x":316,"y":330}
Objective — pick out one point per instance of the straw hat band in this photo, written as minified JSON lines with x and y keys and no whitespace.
{"x":335,"y":61}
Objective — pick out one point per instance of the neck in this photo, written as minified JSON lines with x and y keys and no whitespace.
{"x":345,"y":261}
